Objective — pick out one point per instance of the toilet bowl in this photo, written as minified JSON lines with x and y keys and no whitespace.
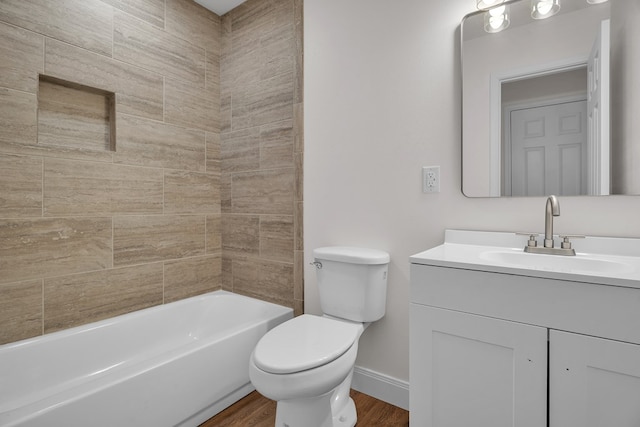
{"x":306,"y":364}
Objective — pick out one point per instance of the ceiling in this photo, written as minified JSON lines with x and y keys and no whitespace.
{"x":219,"y":7}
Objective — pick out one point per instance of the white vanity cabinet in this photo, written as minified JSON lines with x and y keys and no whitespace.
{"x":493,"y":346}
{"x":593,"y":381}
{"x":469,"y":370}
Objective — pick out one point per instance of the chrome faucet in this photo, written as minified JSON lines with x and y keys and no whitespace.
{"x":551,"y":209}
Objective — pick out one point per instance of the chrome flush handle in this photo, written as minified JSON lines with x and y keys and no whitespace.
{"x":317,"y":264}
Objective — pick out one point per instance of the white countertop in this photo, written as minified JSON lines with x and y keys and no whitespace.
{"x":602,"y":260}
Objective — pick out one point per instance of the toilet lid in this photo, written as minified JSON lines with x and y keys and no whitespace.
{"x":304,"y":342}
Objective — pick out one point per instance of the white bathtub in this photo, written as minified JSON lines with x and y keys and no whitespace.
{"x":172,"y":365}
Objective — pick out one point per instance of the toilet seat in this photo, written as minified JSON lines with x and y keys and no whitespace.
{"x":304,"y":343}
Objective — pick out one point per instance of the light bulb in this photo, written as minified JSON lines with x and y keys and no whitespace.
{"x":497,"y":11}
{"x":496,"y":19}
{"x":541,"y":9}
{"x":486,"y":4}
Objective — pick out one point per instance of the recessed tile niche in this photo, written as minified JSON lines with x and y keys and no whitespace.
{"x":75,"y":116}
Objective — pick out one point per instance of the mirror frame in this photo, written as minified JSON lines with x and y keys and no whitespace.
{"x":495,"y":107}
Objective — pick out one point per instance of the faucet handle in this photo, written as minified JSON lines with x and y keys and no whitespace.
{"x":532,"y":242}
{"x":566,"y":244}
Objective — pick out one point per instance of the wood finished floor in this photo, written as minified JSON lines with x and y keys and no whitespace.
{"x":256,"y":410}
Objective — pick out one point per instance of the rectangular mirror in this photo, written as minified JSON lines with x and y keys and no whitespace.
{"x":548,"y":103}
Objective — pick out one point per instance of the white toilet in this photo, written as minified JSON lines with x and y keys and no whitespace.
{"x":306,"y":364}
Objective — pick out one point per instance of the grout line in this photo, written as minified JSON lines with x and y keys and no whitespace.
{"x":42,"y":183}
{"x":164,"y":178}
{"x":42,"y":305}
{"x":164,"y":98}
{"x":163,"y":281}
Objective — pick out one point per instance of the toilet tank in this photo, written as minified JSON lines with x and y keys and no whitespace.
{"x":352,"y":282}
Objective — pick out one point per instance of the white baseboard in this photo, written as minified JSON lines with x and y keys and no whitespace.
{"x":382,"y":387}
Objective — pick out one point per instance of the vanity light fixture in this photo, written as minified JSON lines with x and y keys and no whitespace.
{"x":487,"y":4}
{"x":542,"y":9}
{"x":592,"y":1}
{"x":496,"y":19}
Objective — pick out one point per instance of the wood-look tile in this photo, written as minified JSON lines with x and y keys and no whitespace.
{"x":298,"y":226}
{"x":298,"y":21}
{"x":20,"y":310}
{"x":239,"y":68}
{"x":244,"y":275}
{"x":20,"y":186}
{"x":44,"y":247}
{"x":22,"y":54}
{"x":138,"y":91}
{"x":188,"y":105}
{"x":144,"y":239}
{"x":56,"y":151}
{"x":276,"y":280}
{"x":151,"y":11}
{"x":269,"y":281}
{"x":213,"y":152}
{"x":85,"y":23}
{"x":277,"y":49}
{"x":241,"y":235}
{"x":263,"y":43}
{"x":276,"y":145}
{"x":89,"y":188}
{"x":263,"y":192}
{"x":299,"y":177}
{"x":189,"y":277}
{"x":226,"y":75}
{"x":276,"y":237}
{"x":225,"y":192}
{"x":212,"y":75}
{"x":250,"y":20}
{"x":264,"y":102}
{"x":73,"y":117}
{"x":144,"y":45}
{"x":283,"y":11}
{"x":191,"y":192}
{"x":227,"y":273}
{"x":214,"y":234}
{"x":150,"y":143}
{"x":298,"y":128}
{"x":298,"y":276}
{"x":190,"y":21}
{"x":240,"y":150}
{"x":88,"y":297}
{"x":298,"y":307}
{"x":18,"y":117}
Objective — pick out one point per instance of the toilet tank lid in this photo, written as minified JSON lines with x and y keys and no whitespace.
{"x":352,"y":255}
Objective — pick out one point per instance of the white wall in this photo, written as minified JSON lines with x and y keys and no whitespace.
{"x":382,"y":99}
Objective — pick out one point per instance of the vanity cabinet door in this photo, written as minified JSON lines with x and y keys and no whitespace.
{"x":593,"y":382}
{"x":469,"y":370}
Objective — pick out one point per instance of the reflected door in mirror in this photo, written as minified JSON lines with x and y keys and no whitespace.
{"x":547,"y":150}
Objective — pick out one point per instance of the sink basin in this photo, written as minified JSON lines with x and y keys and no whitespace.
{"x":580,"y":264}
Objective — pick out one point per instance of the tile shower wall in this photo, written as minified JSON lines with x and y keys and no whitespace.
{"x":86,"y":233}
{"x":261,"y":151}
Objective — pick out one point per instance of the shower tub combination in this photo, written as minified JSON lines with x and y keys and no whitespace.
{"x":176,"y":364}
